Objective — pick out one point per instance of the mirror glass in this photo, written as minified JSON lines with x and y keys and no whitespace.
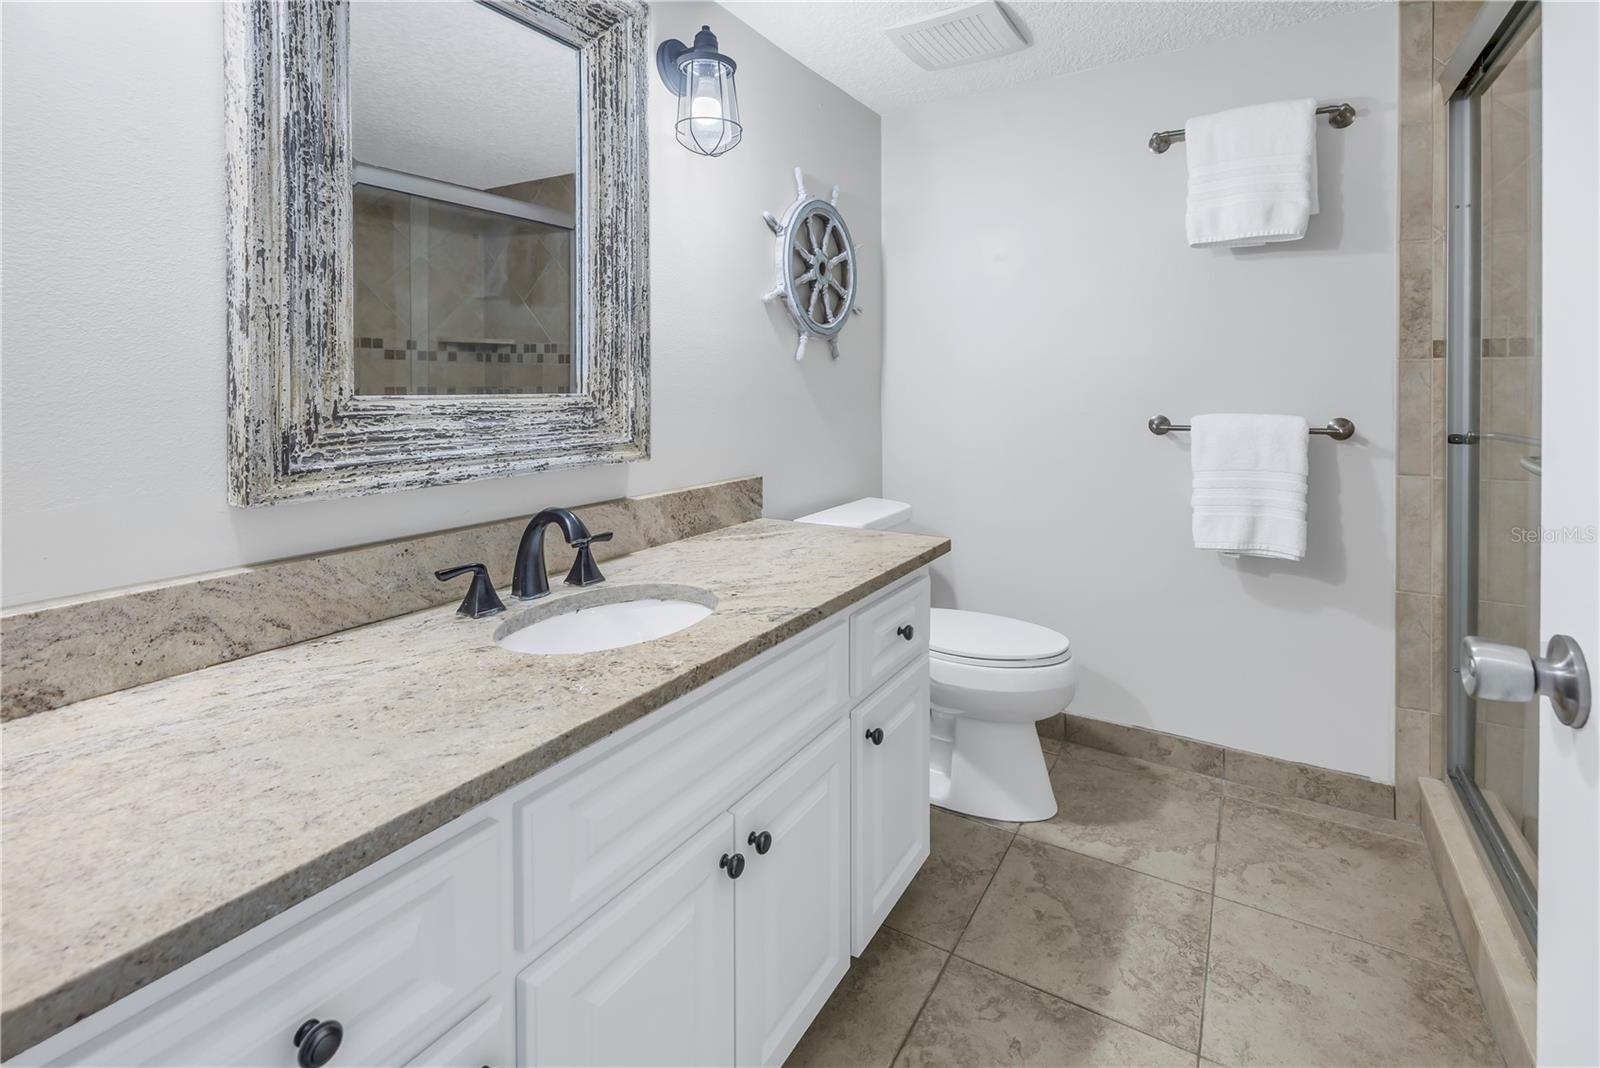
{"x":465,"y":131}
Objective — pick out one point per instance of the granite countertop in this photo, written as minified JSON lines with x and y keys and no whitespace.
{"x":143,"y":828}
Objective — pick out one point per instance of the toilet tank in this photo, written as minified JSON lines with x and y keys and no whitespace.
{"x":868,"y":513}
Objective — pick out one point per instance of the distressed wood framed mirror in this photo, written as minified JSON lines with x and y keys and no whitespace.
{"x":438,"y":246}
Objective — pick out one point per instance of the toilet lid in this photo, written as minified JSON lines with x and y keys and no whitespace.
{"x":999,"y":640}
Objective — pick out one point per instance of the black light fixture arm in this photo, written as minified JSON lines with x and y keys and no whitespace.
{"x":672,"y":53}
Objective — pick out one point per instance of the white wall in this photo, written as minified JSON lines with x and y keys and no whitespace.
{"x":1042,"y":304}
{"x":114,"y":362}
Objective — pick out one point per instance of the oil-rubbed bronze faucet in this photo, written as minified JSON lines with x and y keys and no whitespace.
{"x":481,"y":600}
{"x":528,"y":578}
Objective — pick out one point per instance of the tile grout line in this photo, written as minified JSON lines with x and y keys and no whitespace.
{"x":915,"y":938}
{"x":1281,"y":803}
{"x":950,"y":954}
{"x":1275,"y":800}
{"x":1091,"y":1010}
{"x":1222,"y":799}
{"x":1224,"y":777}
{"x":1124,"y":867}
{"x":1466,"y":968}
{"x":1015,"y":834}
{"x":1215,"y":895}
{"x":1222,"y":796}
{"x":1211,"y":933}
{"x":921,"y":1009}
{"x":1278,"y":803}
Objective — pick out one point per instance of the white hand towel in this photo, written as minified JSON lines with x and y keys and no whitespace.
{"x":1250,"y":484}
{"x":1252,"y":174}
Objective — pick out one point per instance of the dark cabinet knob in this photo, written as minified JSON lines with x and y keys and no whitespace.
{"x":875,"y":736}
{"x":318,"y":1041}
{"x":762,"y":841}
{"x":907,"y":632}
{"x":734,"y":864}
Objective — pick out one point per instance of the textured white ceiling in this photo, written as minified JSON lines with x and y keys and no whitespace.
{"x":844,"y":41}
{"x":452,"y":90}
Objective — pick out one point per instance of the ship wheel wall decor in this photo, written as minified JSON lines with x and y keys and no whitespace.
{"x":817,"y":267}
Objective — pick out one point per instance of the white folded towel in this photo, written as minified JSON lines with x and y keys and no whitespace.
{"x":1250,"y":484}
{"x":1252,"y":174}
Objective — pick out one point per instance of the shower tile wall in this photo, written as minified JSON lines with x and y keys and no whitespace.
{"x":1428,"y":34}
{"x":1509,"y":505}
{"x":451,"y":300}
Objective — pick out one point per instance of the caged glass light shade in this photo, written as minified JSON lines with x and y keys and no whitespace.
{"x":708,"y":100}
{"x":708,"y":113}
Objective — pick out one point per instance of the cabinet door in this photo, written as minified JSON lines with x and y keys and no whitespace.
{"x":889,"y":798}
{"x":649,"y":978}
{"x":793,"y":902}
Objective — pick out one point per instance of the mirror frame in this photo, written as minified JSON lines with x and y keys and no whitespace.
{"x":296,"y":427}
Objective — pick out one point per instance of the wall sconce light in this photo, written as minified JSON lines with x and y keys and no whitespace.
{"x":708,"y":104}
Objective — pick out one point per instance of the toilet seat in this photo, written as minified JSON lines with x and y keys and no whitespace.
{"x":989,"y":641}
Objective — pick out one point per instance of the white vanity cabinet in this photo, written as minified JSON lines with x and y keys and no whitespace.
{"x":686,"y":891}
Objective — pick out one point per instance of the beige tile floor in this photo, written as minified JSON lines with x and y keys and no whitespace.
{"x":1162,"y":918}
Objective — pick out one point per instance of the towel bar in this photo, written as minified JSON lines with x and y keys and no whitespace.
{"x":1340,"y":429}
{"x":1339,"y":116}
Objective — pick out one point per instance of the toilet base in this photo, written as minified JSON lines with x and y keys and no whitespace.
{"x":996,"y":772}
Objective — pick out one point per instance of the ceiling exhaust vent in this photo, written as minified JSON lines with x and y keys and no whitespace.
{"x":961,"y":35}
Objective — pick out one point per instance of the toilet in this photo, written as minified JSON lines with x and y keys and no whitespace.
{"x":992,"y":679}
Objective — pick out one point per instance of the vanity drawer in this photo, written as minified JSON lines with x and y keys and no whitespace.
{"x":888,"y":634}
{"x":394,"y":965}
{"x":583,"y":839}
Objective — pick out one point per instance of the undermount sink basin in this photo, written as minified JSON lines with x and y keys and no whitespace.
{"x":602,"y":618}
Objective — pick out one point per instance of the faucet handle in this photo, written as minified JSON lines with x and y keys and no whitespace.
{"x":481,"y":600}
{"x":584,"y":570}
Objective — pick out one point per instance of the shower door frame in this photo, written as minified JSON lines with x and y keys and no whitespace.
{"x":1501,"y":28}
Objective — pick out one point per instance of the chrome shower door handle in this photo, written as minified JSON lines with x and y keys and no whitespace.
{"x":1492,"y":671}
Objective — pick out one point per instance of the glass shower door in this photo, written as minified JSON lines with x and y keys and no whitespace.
{"x":1506,"y":759}
{"x":1493,"y":434}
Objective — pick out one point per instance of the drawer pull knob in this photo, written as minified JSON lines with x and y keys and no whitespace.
{"x":762,"y":842}
{"x":734,"y":863}
{"x":875,"y":736}
{"x":318,"y":1041}
{"x":907,"y":632}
